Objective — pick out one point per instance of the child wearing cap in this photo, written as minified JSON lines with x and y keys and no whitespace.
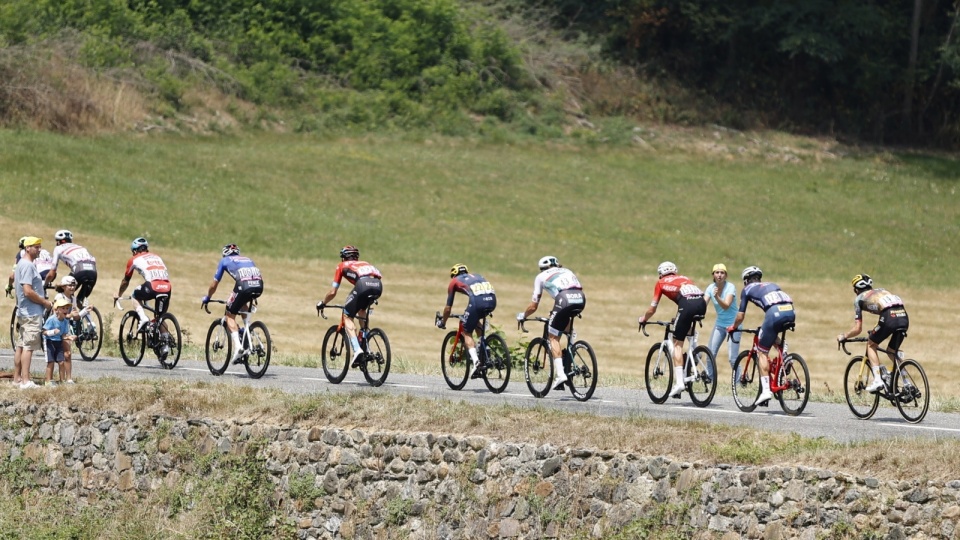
{"x":56,"y":333}
{"x":66,"y":290}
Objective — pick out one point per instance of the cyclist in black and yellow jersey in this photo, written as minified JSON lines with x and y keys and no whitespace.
{"x":481,"y":301}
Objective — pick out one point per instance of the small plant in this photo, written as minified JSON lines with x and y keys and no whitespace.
{"x":303,"y":488}
{"x":398,"y":509}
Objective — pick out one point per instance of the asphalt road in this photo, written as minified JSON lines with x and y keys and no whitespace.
{"x":828,"y":420}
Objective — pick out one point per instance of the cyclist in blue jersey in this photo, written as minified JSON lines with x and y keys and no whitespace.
{"x":481,"y":301}
{"x":778,"y":313}
{"x":248,"y":287}
{"x":569,"y":300}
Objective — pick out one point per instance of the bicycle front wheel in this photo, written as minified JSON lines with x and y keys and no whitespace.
{"x":218,"y":348}
{"x":454,"y":361}
{"x":131,"y":341}
{"x":702,"y":385}
{"x":537,"y":367}
{"x":658,"y":373}
{"x":794,"y":373}
{"x":377,"y":365}
{"x":260,"y":346}
{"x":496,"y":373}
{"x":90,"y":337}
{"x":172,"y":339}
{"x":856,"y":378}
{"x":911,"y":390}
{"x":335,"y":355}
{"x":583,"y":373}
{"x":745,"y":383}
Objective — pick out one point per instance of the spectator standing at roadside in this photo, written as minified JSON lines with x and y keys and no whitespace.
{"x":723,"y":295}
{"x":30,"y":306}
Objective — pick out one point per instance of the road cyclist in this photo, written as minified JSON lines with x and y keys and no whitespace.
{"x":248,"y":286}
{"x":82,"y":265}
{"x":778,"y":315}
{"x":690,"y":307}
{"x":569,"y":301}
{"x":367,"y":288}
{"x":156,"y":286}
{"x":481,"y":301}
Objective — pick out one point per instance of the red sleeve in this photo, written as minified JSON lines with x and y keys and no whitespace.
{"x":657,"y":292}
{"x":128,"y":273}
{"x":338,"y":273}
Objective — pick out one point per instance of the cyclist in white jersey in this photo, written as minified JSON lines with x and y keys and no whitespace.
{"x":156,"y":283}
{"x":82,"y":265}
{"x":563,"y":286}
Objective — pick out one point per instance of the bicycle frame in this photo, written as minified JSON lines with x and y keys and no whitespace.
{"x":698,"y":366}
{"x":776,"y":362}
{"x":906,"y":385}
{"x":688,"y":359}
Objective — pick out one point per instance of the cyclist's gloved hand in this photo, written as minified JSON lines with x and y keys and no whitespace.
{"x":840,"y":338}
{"x":641,"y":320}
{"x":9,"y":290}
{"x":520,"y":316}
{"x":731,"y":329}
{"x":440,"y":325}
{"x":204,"y":301}
{"x":320,"y":305}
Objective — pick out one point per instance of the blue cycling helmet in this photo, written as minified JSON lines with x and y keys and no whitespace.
{"x":139,"y":244}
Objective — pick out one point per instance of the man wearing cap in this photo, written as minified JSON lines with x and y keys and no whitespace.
{"x":723,"y":295}
{"x":30,"y":306}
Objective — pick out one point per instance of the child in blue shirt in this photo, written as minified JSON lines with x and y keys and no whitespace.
{"x":56,"y":331}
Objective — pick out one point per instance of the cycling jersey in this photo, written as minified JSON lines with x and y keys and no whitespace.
{"x":43,"y":262}
{"x":76,"y":257}
{"x":874,"y":301}
{"x":674,"y":287}
{"x":482,"y":299}
{"x":241,"y":269}
{"x":764,"y":295}
{"x":776,"y":304}
{"x":554,"y":280}
{"x":354,"y":270}
{"x":150,"y":266}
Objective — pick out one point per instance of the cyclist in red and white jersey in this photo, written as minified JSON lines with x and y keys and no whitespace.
{"x":367,"y":287}
{"x":690,"y":304}
{"x":568,"y":301}
{"x":156,"y":282}
{"x":893,"y":322}
{"x":82,"y":265}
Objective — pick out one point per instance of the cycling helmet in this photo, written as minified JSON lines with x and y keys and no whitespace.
{"x":861,"y":282}
{"x":666,"y":268}
{"x":458,"y":269}
{"x":139,"y":244}
{"x":750,"y":272}
{"x":63,"y":235}
{"x":349,"y":252}
{"x":230,"y":249}
{"x":548,"y":261}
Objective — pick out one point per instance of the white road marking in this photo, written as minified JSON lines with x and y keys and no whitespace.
{"x":913,"y":426}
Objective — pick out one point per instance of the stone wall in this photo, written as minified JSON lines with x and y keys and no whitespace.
{"x":425,"y":485}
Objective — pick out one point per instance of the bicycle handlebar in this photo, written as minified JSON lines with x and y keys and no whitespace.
{"x":643,"y":326}
{"x":842,"y":344}
{"x":523,"y":327}
{"x":207,"y":309}
{"x":116,"y":301}
{"x":325,"y":306}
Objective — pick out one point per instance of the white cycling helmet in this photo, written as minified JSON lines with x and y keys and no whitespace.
{"x":751,"y":271}
{"x":666,"y":268}
{"x":63,"y":235}
{"x":548,"y":261}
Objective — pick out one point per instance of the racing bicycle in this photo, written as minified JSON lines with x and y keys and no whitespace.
{"x":374,"y":359}
{"x":492,"y":351}
{"x":698,"y":364}
{"x":161,"y":334}
{"x":255,"y":344}
{"x":905,"y":385}
{"x":789,"y":376}
{"x":579,"y":363}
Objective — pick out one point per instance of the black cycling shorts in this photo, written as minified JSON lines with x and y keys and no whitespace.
{"x":688,"y":309}
{"x":364,"y":293}
{"x":567,"y":305}
{"x":893,"y":321}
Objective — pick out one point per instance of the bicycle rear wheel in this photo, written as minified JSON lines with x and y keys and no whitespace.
{"x":335,"y":355}
{"x":703,"y":386}
{"x":794,"y":373}
{"x":856,"y":378}
{"x":454,"y":361}
{"x":911,"y":391}
{"x":217,"y":348}
{"x":746,"y":383}
{"x":537,"y":367}
{"x":377,"y":365}
{"x":90,"y":337}
{"x":131,"y":341}
{"x":172,"y":339}
{"x":260,"y":346}
{"x":582,"y":375}
{"x":658,"y":373}
{"x":496,"y":372}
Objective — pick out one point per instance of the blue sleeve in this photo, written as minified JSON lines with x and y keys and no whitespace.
{"x":220,"y":268}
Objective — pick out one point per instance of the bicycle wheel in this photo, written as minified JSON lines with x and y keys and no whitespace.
{"x":258,"y":357}
{"x":335,"y":355}
{"x":856,"y":378}
{"x":377,"y":366}
{"x":702,"y":387}
{"x":746,"y":385}
{"x":658,"y":373}
{"x":90,"y":337}
{"x":13,"y":329}
{"x":496,"y":372}
{"x":131,"y":341}
{"x":454,"y":361}
{"x":537,"y":367}
{"x":793,"y":373}
{"x":583,"y":373}
{"x":912,"y":391}
{"x":172,"y":339}
{"x":218,"y":347}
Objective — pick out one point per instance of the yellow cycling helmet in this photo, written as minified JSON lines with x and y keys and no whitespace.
{"x":458,"y":269}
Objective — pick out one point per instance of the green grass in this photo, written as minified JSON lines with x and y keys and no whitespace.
{"x":430,"y":203}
